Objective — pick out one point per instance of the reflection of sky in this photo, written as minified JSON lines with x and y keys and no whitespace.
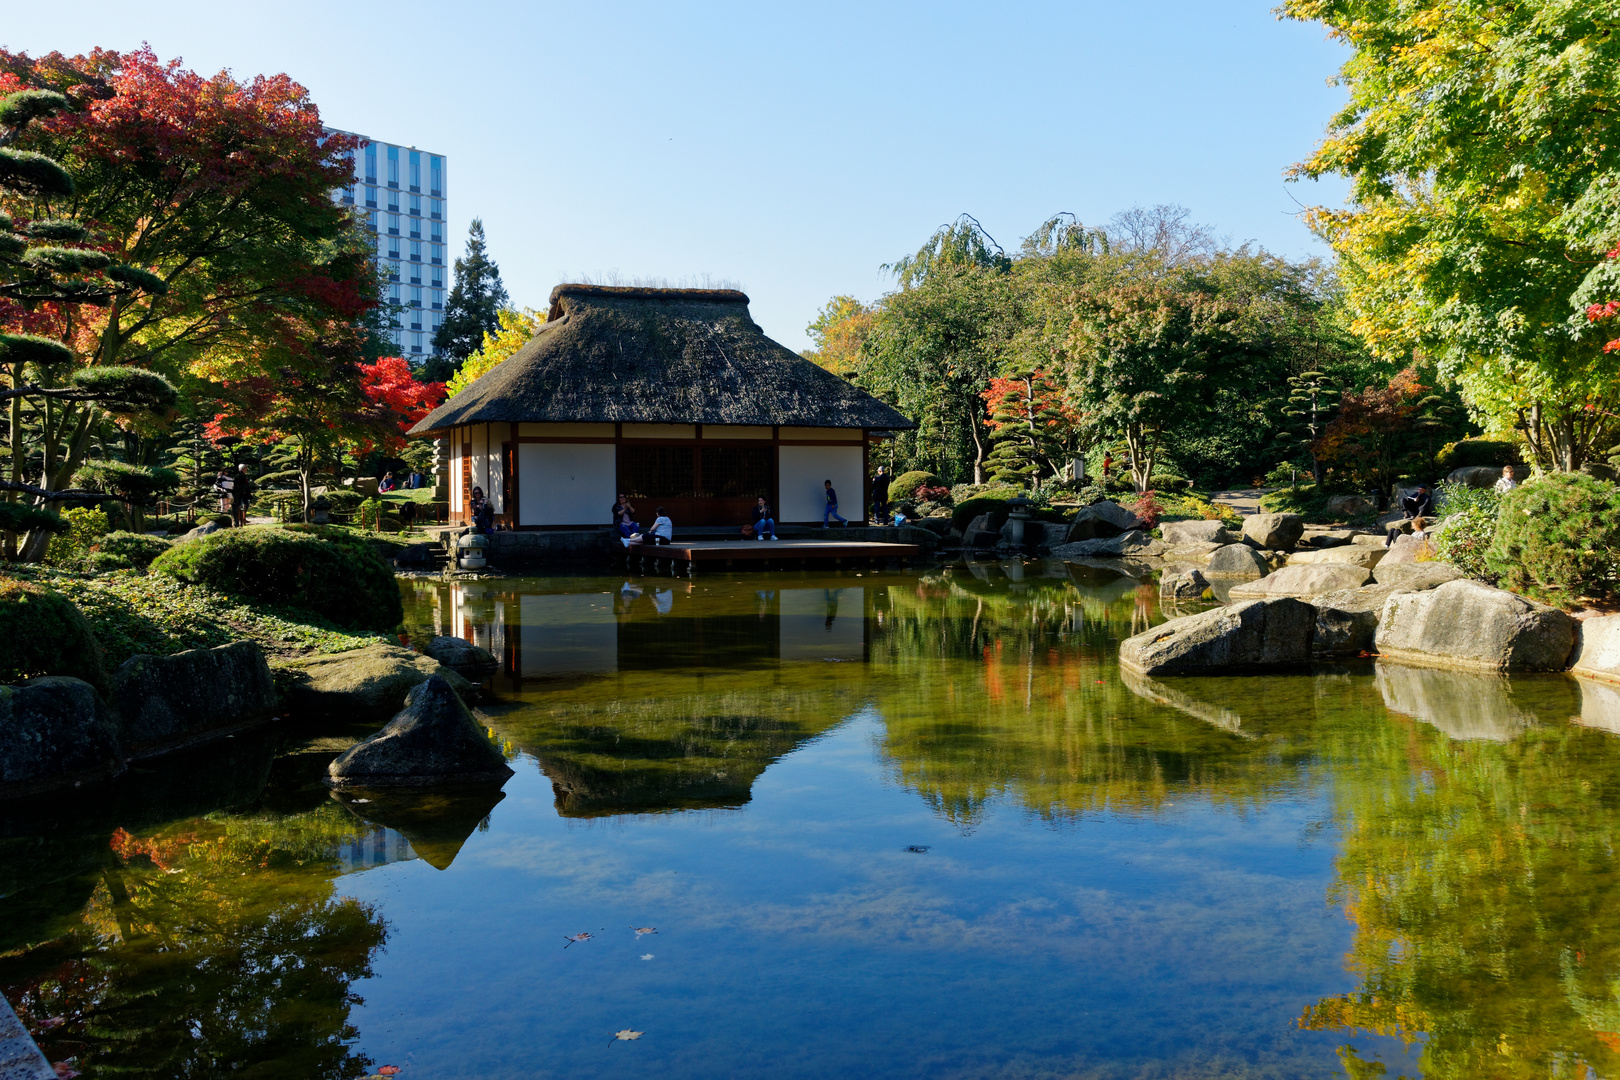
{"x":800,"y":939}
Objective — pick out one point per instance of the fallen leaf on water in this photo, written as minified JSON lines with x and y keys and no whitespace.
{"x":644,"y":930}
{"x":388,"y":1070}
{"x":646,"y":956}
{"x":627,"y":1035}
{"x":583,"y":935}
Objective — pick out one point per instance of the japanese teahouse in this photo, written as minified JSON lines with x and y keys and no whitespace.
{"x":674,"y":397}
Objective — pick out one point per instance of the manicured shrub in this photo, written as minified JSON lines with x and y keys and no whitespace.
{"x":1465,"y":533}
{"x":994,"y":505}
{"x":125,"y":551}
{"x":45,"y":634}
{"x":328,"y":572}
{"x":1147,"y":507}
{"x":1558,"y":538}
{"x":1468,"y":452}
{"x":1163,"y":483}
{"x":904,"y":486}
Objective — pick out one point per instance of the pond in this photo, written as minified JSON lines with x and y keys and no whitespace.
{"x":878,"y":824}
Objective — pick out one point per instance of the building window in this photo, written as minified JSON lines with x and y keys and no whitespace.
{"x":437,"y":235}
{"x":393,"y":167}
{"x":393,"y":224}
{"x":416,"y":343}
{"x":436,"y":173}
{"x":371,"y":194}
{"x":436,"y":209}
{"x":416,"y":171}
{"x":416,"y":205}
{"x":737,"y":472}
{"x":371,"y":221}
{"x":416,"y":250}
{"x":393,"y":267}
{"x":657,"y":472}
{"x":416,"y":296}
{"x":438,"y":255}
{"x":371,"y":163}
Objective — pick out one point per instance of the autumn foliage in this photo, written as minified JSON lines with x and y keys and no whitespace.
{"x":389,"y":385}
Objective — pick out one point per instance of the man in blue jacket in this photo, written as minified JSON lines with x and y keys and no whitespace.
{"x":832,"y":507}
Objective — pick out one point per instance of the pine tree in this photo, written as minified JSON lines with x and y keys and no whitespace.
{"x":1027,"y":424}
{"x":476,"y":299}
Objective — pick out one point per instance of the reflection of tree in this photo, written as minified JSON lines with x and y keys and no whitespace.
{"x":213,"y":947}
{"x":1482,"y":880}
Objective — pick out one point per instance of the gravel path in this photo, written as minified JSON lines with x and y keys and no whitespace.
{"x":1245,"y":501}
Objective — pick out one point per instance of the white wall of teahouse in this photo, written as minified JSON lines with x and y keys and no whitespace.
{"x":566,"y":483}
{"x":803,"y":468}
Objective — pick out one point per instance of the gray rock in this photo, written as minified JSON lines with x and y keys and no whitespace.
{"x":1328,"y":538}
{"x":1408,"y":549}
{"x":463,"y":657}
{"x":415,"y":555}
{"x":433,"y":740}
{"x":1304,"y":581}
{"x":1133,"y":543}
{"x":1367,"y":540}
{"x":1236,"y":561}
{"x":1189,"y":585}
{"x":1191,"y":552}
{"x":55,"y":732}
{"x":1349,"y":505}
{"x":171,"y":701}
{"x":1464,"y":705}
{"x":1279,"y":532}
{"x":978,"y":524}
{"x":1597,"y":655}
{"x":1350,"y":554}
{"x":1217,"y":714}
{"x":1464,"y":624}
{"x":1251,"y":634}
{"x":1347,"y":621}
{"x":1194,"y":532}
{"x":1101,"y":520}
{"x":207,"y":528}
{"x":1600,"y":704}
{"x":1476,"y":476}
{"x":1416,"y":576}
{"x":361,"y":684}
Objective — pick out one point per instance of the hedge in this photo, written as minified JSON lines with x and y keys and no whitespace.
{"x":1558,"y":538}
{"x":45,"y":634}
{"x":904,"y":487}
{"x":327,"y":572}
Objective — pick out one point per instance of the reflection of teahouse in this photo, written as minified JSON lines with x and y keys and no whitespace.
{"x":672,"y":395}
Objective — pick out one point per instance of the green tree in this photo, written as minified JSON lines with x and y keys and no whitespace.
{"x":1029,"y":427}
{"x":1484,"y":163}
{"x":839,"y":330}
{"x":475,"y":303}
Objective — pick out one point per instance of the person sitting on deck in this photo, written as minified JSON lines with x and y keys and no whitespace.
{"x":763,"y":522}
{"x":624,"y":518}
{"x":663,"y":530}
{"x":483,"y":514}
{"x":832,"y":507}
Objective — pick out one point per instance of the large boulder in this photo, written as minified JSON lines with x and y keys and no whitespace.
{"x":1468,"y":706}
{"x":207,"y":528}
{"x":1185,"y":586}
{"x":1416,"y":576}
{"x":1191,"y":552}
{"x":1194,"y":532}
{"x":1277,"y":532}
{"x":1475,"y":476}
{"x":1237,"y":561}
{"x":1304,"y":581}
{"x":1349,"y":505}
{"x":1252,"y":634}
{"x":1327,"y":538}
{"x":171,"y":701}
{"x":1349,"y":554}
{"x":361,"y":684}
{"x":1101,"y":520}
{"x":463,"y":657}
{"x":1133,"y":543}
{"x":1408,"y":549}
{"x":1464,"y":624}
{"x":432,"y":740}
{"x":1597,"y":655}
{"x":55,"y":732}
{"x":1347,"y":621}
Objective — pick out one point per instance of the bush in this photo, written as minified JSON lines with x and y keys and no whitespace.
{"x":1191,"y":507}
{"x":85,"y":526}
{"x":1146,"y":507}
{"x":1469,"y":525}
{"x":1558,"y":538}
{"x":125,"y":551}
{"x":45,"y":634}
{"x":337,"y":576}
{"x":994,"y":505}
{"x":904,"y":487}
{"x":1468,"y":452}
{"x":1168,"y":482}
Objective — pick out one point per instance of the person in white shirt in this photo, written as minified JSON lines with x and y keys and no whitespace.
{"x":1506,"y":483}
{"x":663,"y":530}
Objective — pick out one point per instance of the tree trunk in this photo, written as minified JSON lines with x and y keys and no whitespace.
{"x":978,"y":445}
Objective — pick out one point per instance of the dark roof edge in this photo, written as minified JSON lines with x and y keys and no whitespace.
{"x":637,"y":292}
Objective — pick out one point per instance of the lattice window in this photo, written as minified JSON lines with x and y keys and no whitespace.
{"x":738,"y":472}
{"x":656,"y":472}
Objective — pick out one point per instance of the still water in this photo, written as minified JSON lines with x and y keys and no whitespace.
{"x":883,"y":824}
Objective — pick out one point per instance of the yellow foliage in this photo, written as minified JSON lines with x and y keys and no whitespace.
{"x":517,"y":327}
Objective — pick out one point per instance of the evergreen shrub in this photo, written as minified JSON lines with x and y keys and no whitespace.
{"x":85,"y":528}
{"x":125,"y":551}
{"x":1168,"y":482}
{"x":330,"y":573}
{"x":994,"y":505}
{"x":1468,"y":527}
{"x":45,"y":634}
{"x":1558,"y":538}
{"x":1469,"y":452}
{"x":905,"y":486}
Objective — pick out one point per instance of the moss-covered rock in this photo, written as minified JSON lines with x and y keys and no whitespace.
{"x":339,"y":577}
{"x":45,"y":634}
{"x":361,"y":684}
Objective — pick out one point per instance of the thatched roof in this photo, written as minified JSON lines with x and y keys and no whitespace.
{"x":659,"y":356}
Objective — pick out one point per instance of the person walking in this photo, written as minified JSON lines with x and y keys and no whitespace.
{"x":1506,"y":482}
{"x":763,"y":522}
{"x":831,"y":510}
{"x":222,"y":491}
{"x":242,"y":490}
{"x":880,"y":496}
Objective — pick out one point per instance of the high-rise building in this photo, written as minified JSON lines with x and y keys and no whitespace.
{"x":402,"y":192}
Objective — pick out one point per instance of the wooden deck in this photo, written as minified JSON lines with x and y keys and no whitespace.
{"x":729,"y":552}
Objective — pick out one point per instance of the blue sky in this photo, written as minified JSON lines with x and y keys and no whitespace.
{"x":790,"y":148}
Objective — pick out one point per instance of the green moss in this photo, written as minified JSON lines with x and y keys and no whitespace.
{"x":329,"y":572}
{"x":46,"y":635}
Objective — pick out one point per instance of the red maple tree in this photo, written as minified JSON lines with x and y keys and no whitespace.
{"x":389,"y":384}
